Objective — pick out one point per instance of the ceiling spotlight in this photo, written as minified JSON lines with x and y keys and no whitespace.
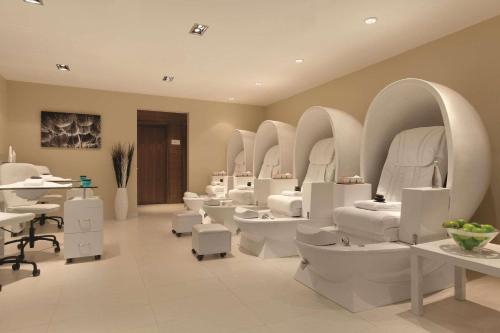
{"x":36,"y":2}
{"x":299,"y":61}
{"x":198,"y":29}
{"x":371,"y":20}
{"x":231,"y":99}
{"x":168,"y":78}
{"x":63,"y":67}
{"x":258,"y":83}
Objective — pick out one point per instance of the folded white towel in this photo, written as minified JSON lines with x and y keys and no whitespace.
{"x":32,"y":182}
{"x":190,"y":195}
{"x":246,"y":213}
{"x":292,"y":193}
{"x":373,"y":205}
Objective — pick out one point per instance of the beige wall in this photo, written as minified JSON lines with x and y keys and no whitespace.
{"x":467,"y":61}
{"x":210,"y":125}
{"x":3,"y":119}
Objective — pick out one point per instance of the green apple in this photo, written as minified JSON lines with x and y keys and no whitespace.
{"x":461,"y":222}
{"x":451,"y":224}
{"x":468,"y":227}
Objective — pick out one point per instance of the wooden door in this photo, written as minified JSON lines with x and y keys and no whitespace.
{"x":151,"y":163}
{"x":166,"y":133}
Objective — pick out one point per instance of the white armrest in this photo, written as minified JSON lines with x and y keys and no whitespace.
{"x":346,"y":194}
{"x":423,"y":210}
{"x":266,"y":187}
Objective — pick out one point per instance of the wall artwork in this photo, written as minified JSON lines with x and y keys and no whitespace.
{"x":70,"y":130}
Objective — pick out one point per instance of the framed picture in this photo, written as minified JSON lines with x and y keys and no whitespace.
{"x":70,"y":130}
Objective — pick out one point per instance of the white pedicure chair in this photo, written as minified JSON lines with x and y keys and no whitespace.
{"x":410,"y":124}
{"x":239,"y":160}
{"x":326,"y":145}
{"x":272,"y":155}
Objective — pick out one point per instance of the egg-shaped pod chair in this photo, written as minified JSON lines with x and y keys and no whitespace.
{"x":426,"y":150}
{"x":272,"y":157}
{"x":239,"y":160}
{"x":326,"y":145}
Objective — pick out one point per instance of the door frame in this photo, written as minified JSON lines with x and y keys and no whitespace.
{"x":166,"y":119}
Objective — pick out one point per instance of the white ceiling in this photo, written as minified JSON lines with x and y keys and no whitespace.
{"x":128,"y":45}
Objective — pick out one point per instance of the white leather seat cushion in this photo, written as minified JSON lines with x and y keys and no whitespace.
{"x":35,"y":209}
{"x":11,"y":218}
{"x":316,"y":236}
{"x":321,"y":162}
{"x":271,"y":163}
{"x":285,"y":205}
{"x":239,"y":163}
{"x":242,"y":197}
{"x":410,"y":161}
{"x":377,"y":225}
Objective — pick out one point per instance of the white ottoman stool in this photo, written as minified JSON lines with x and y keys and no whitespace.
{"x":211,"y":239}
{"x":184,"y":222}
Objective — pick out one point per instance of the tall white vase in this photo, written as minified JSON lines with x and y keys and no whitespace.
{"x":121,"y":204}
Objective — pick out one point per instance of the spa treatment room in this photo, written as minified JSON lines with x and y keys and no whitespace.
{"x":235,"y":166}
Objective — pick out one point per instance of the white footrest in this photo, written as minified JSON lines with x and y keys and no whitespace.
{"x":211,"y":239}
{"x":184,"y":222}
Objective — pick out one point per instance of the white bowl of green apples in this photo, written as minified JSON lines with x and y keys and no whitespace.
{"x":470,"y":236}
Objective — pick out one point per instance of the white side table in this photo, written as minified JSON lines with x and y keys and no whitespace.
{"x":487,"y":262}
{"x":83,"y":224}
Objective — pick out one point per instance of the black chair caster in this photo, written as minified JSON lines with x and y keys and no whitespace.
{"x":97,"y":257}
{"x":199,"y":257}
{"x":173,"y":231}
{"x":36,"y":272}
{"x":223,"y":254}
{"x":178,"y":234}
{"x":69,"y":260}
{"x":193,"y":251}
{"x":16,"y":266}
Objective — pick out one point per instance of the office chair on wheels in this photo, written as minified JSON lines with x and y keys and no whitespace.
{"x":50,"y":198}
{"x":16,"y":203}
{"x":7,"y":219}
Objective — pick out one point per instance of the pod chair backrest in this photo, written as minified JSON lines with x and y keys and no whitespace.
{"x":271,"y":163}
{"x":410,"y":161}
{"x":321,"y":162}
{"x":239,"y":163}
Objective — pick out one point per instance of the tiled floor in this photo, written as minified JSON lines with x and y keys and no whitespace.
{"x":148,"y":281}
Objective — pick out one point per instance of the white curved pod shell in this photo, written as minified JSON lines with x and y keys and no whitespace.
{"x":319,"y":122}
{"x":411,"y":103}
{"x":271,"y":133}
{"x":240,"y":140}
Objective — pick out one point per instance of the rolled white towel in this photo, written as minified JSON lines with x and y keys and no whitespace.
{"x":246,"y":213}
{"x":215,"y":183}
{"x":292,"y":193}
{"x":376,"y":206}
{"x":190,"y":195}
{"x":32,"y":182}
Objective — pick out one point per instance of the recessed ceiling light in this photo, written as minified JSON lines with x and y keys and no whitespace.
{"x":258,"y":83}
{"x":371,"y":20}
{"x":168,"y":78}
{"x":63,"y":67}
{"x":299,"y":61}
{"x":198,"y":29}
{"x":36,"y":2}
{"x":231,"y":99}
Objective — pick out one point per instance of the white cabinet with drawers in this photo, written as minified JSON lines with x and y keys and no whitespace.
{"x":83,"y":219}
